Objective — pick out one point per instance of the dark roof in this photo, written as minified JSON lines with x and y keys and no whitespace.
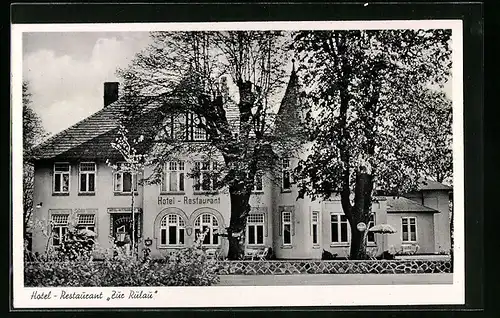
{"x":97,"y":124}
{"x":91,"y":138}
{"x":401,"y":204}
{"x":289,"y":119}
{"x":429,"y":185}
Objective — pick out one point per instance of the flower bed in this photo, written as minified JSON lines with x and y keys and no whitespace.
{"x":287,"y":267}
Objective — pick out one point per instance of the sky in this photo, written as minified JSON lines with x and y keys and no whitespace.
{"x":67,"y":71}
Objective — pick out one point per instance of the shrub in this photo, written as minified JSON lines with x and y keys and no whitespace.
{"x":186,"y":267}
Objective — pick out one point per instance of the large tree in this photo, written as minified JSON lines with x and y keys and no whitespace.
{"x":227,"y":83}
{"x":373,"y":96}
{"x":33,"y":133}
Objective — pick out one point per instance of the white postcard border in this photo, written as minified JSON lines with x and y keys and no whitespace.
{"x":241,"y":296}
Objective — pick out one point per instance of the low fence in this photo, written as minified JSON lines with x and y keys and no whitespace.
{"x":287,"y":267}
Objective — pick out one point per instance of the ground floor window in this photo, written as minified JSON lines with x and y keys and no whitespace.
{"x":86,"y":222}
{"x":172,"y":228}
{"x":206,"y":224}
{"x":409,"y":229}
{"x":287,"y":227}
{"x":255,"y":229}
{"x":59,"y":223}
{"x":371,"y":235}
{"x":339,"y":228}
{"x":315,"y":227}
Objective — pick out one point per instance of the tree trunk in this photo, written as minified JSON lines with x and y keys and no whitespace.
{"x":358,"y":244}
{"x":236,"y":231}
{"x":361,"y":213}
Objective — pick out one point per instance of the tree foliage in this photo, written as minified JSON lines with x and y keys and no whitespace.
{"x":229,"y":82}
{"x":33,"y":133}
{"x":377,"y":118}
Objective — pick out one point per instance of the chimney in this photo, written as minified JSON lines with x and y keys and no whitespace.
{"x":110,"y":93}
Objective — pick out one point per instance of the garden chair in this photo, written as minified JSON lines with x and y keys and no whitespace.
{"x":409,"y":249}
{"x":372,"y":253}
{"x":250,"y":254}
{"x":262,"y":254}
{"x":211,"y":253}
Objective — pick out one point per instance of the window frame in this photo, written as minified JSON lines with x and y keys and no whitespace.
{"x":134,"y":183}
{"x":372,"y":216}
{"x":167,"y":175}
{"x":87,"y":173}
{"x":83,"y":225}
{"x":318,"y":227}
{"x":191,"y":130}
{"x":283,"y":224}
{"x":408,"y":226}
{"x":61,"y":173}
{"x":214,"y":229}
{"x":198,"y":179}
{"x":286,"y":169}
{"x":60,"y":227}
{"x":179,"y":225}
{"x":255,"y":224}
{"x":339,"y":229}
{"x":258,"y":180}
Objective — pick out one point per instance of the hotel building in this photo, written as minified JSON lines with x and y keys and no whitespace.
{"x":72,"y":179}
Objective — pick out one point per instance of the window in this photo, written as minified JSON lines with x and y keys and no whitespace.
{"x":59,"y":224}
{"x":173,"y":177}
{"x":86,"y":221}
{"x":206,"y":178}
{"x":124,"y":182}
{"x":315,"y":227}
{"x":257,"y":187}
{"x":194,"y":132}
{"x":61,"y":177}
{"x":172,"y":230}
{"x":285,"y":174}
{"x":339,"y":228}
{"x":175,"y":127}
{"x":287,"y":227}
{"x":87,"y":177}
{"x":409,"y":229}
{"x":255,"y":229}
{"x":207,"y":224}
{"x":371,"y":235}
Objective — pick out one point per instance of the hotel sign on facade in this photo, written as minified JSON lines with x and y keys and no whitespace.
{"x":188,"y":200}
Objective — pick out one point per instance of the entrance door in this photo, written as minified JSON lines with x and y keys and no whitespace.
{"x":122,"y":228}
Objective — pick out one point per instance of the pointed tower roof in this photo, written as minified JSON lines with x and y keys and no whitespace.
{"x":289,"y":116}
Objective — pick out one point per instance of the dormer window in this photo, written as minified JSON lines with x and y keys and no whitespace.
{"x":194,"y":132}
{"x":183,"y":127}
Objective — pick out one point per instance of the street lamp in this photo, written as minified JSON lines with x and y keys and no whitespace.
{"x":39,"y":205}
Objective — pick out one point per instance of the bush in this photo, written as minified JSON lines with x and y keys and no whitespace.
{"x":186,"y":267}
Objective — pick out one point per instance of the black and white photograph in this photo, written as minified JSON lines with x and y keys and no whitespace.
{"x":296,"y":163}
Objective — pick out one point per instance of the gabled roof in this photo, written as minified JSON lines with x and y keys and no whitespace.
{"x":429,"y":185}
{"x":401,"y":204}
{"x":97,"y":124}
{"x":91,"y":137}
